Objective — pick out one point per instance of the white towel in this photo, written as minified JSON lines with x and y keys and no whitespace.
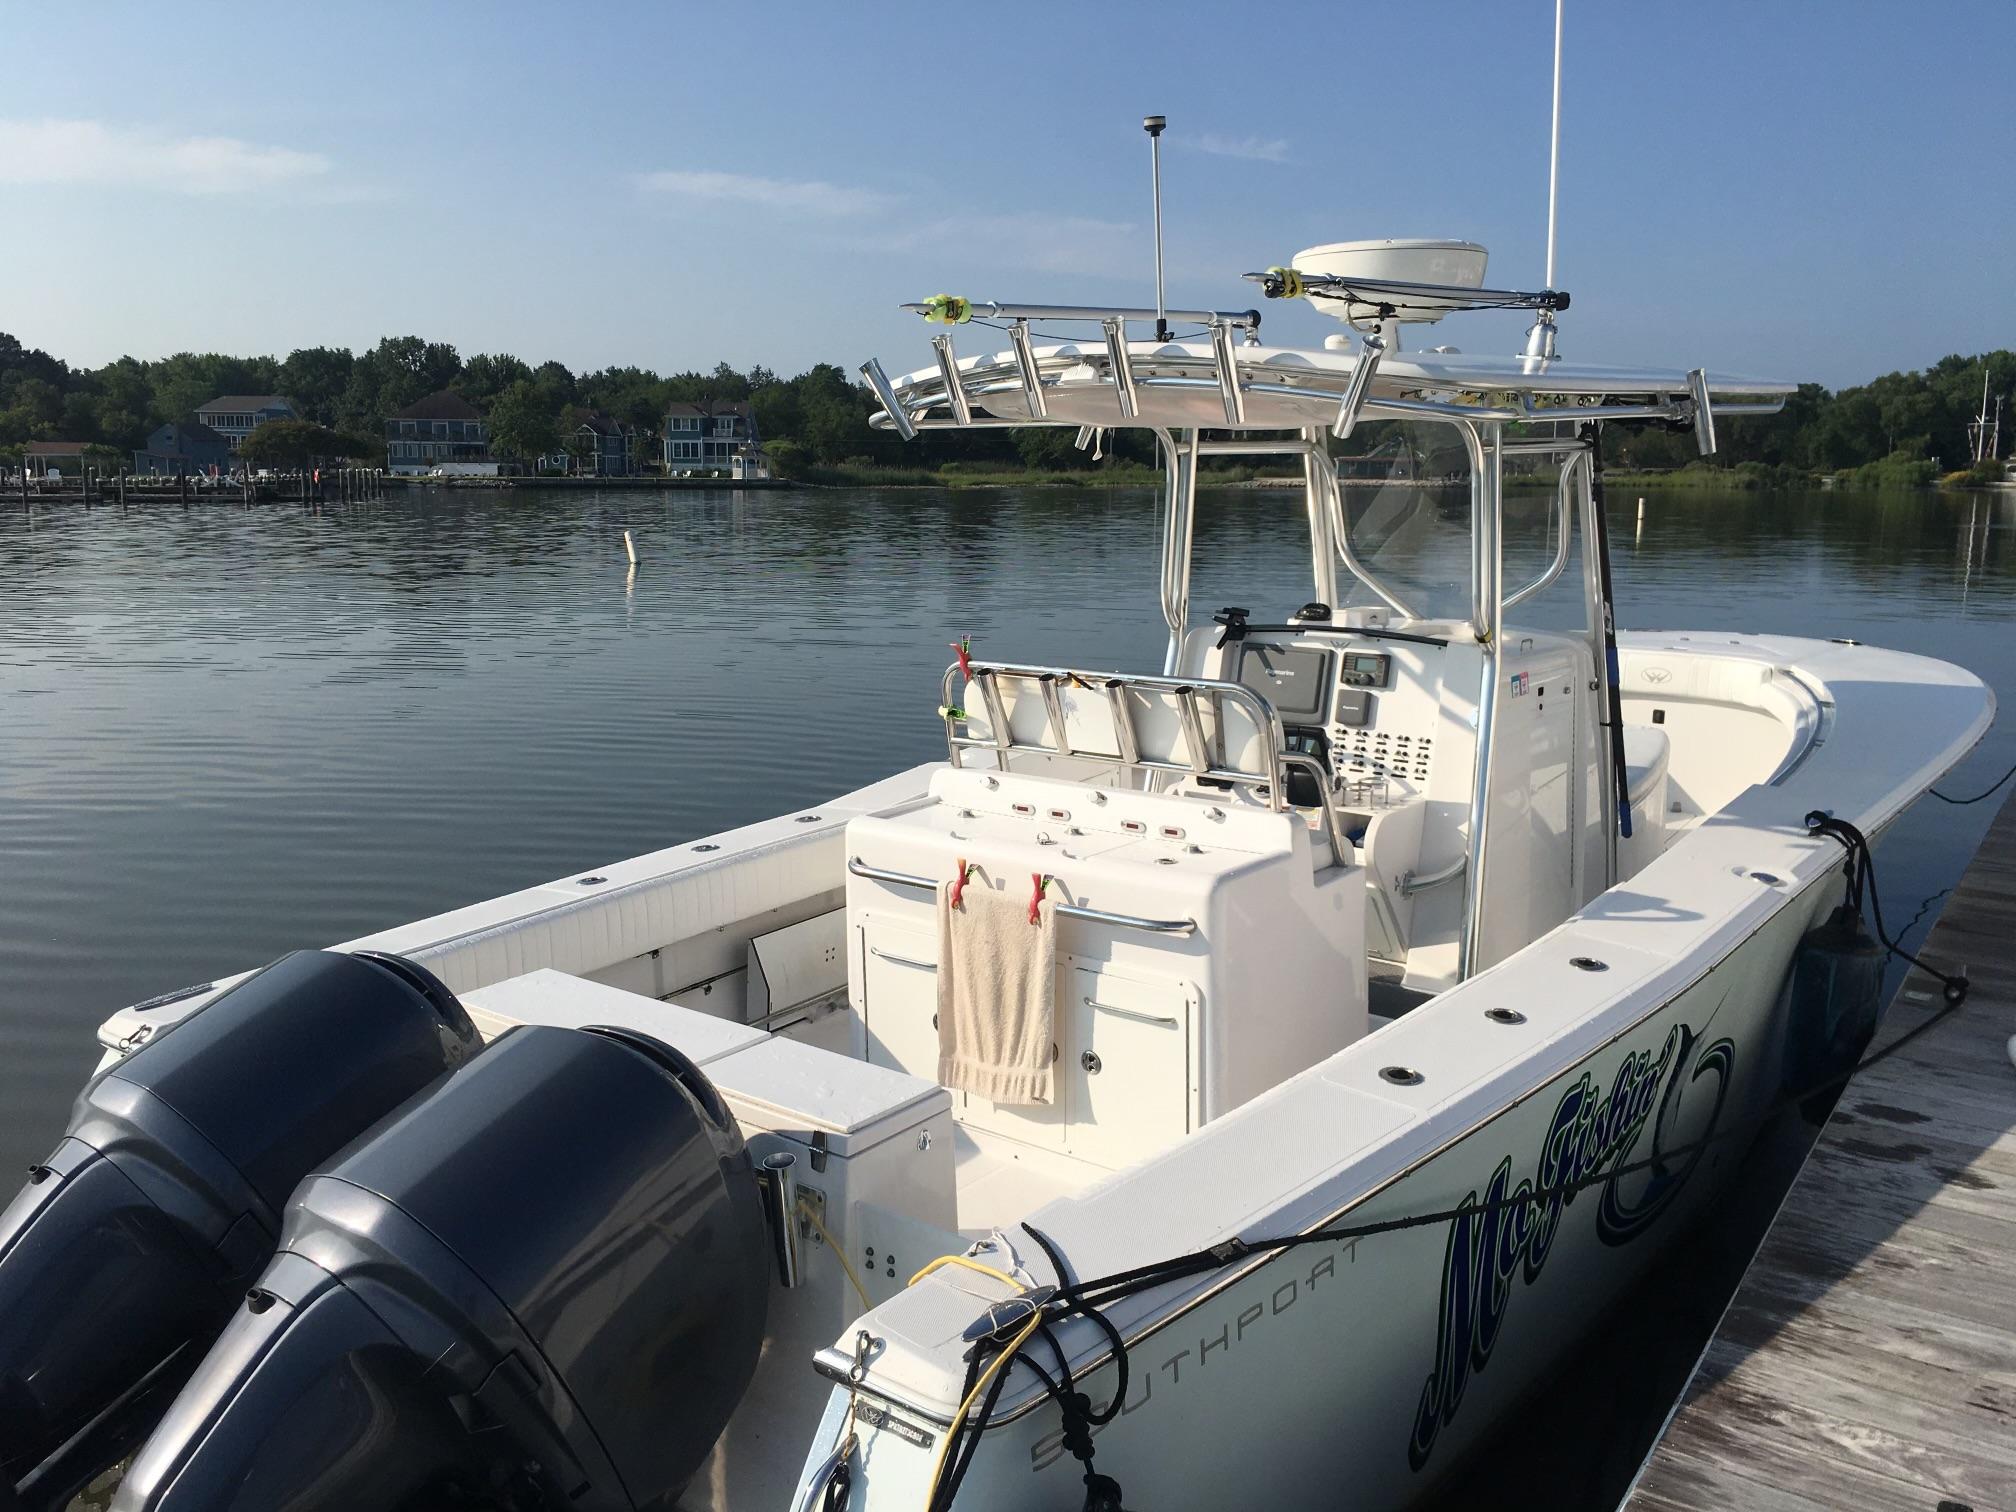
{"x":996,"y":995}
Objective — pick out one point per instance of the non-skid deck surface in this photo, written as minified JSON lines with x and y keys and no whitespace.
{"x":1869,"y":1358}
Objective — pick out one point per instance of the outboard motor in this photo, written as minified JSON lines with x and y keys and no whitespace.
{"x":542,"y":1284}
{"x":124,"y":1255}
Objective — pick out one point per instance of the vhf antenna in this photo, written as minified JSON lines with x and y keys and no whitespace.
{"x":1153,"y":125}
{"x":1540,"y":338}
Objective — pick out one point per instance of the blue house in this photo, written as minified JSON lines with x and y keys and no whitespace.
{"x":236,"y":416}
{"x":710,"y":434}
{"x":604,"y":447}
{"x":184,"y":446}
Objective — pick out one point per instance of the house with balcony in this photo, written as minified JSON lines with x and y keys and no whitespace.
{"x":604,"y":447}
{"x":184,"y":446}
{"x":236,"y":416}
{"x":443,"y":430}
{"x":708,"y":434}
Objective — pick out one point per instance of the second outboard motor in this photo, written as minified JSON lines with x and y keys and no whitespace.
{"x":128,"y":1249}
{"x":541,"y":1284}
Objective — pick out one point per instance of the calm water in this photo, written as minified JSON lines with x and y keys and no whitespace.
{"x":226,"y":733}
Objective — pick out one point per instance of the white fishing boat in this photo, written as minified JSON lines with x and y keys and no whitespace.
{"x":1229,"y":1082}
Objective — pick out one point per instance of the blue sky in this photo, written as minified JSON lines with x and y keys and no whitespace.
{"x":1796,"y":189}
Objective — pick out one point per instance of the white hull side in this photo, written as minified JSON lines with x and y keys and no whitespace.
{"x":1324,"y":1375}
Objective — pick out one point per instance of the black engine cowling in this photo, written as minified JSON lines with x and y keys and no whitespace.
{"x":128,"y":1249}
{"x":543,"y":1283}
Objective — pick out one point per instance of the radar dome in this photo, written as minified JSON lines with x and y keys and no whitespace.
{"x":1456,"y":264}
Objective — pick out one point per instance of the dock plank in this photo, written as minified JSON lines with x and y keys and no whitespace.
{"x":1869,"y":1357}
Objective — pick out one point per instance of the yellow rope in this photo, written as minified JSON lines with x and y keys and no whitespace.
{"x":1291,"y":282}
{"x":838,"y":1253}
{"x":965,"y":1264}
{"x":994,"y":1368}
{"x":947,"y":309}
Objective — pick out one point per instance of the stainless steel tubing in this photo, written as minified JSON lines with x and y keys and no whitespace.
{"x":777,"y":1174}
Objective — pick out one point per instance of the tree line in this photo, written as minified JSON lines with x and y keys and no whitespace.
{"x":820,"y":417}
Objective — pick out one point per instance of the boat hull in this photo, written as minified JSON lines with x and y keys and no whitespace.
{"x":1369,"y":1368}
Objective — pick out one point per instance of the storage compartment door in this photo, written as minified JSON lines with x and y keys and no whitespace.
{"x":899,"y":997}
{"x":1130,"y":1065}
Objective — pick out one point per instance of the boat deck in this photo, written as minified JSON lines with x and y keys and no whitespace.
{"x":1869,"y":1357}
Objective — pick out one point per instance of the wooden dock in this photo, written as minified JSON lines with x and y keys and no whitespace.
{"x":1868,"y":1360}
{"x":327,"y":485}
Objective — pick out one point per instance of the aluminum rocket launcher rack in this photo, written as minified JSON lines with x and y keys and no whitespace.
{"x":1109,"y":380}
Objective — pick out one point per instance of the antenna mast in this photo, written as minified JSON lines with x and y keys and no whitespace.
{"x":1540,"y":336}
{"x":1153,"y":125}
{"x":1554,"y":146}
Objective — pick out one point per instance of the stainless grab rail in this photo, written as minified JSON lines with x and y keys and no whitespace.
{"x":1295,"y":760}
{"x":1160,"y":1021}
{"x":1411,"y":884}
{"x":890,"y":955}
{"x":859,"y":868}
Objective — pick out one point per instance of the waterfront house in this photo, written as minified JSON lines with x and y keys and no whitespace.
{"x":604,"y":447}
{"x":443,"y":430}
{"x":707,"y":434}
{"x":66,"y":458}
{"x":236,"y":416}
{"x":184,"y":446}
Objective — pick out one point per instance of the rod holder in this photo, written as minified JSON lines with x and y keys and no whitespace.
{"x":1123,"y":367}
{"x":948,"y":369}
{"x":1370,"y":352}
{"x":1704,"y":412}
{"x":1227,"y":357}
{"x":1025,"y":364}
{"x":777,"y":1176}
{"x":885,"y":394}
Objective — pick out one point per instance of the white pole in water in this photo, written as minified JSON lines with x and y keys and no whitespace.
{"x":1554,"y":146}
{"x":630,"y":548}
{"x":1980,"y":426}
{"x":1154,"y":125}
